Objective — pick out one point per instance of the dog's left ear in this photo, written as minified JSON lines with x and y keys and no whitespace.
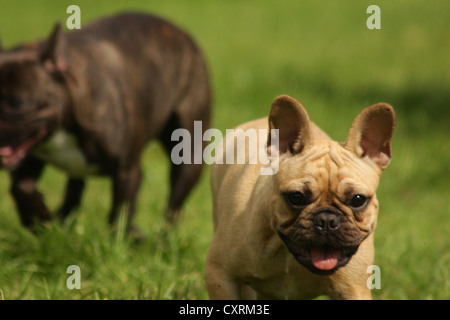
{"x":290,"y":118}
{"x":53,"y":53}
{"x":371,"y":134}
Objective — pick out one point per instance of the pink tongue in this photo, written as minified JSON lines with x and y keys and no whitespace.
{"x":6,"y":151}
{"x":7,"y":156}
{"x":324,"y":258}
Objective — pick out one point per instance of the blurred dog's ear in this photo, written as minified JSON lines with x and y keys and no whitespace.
{"x":53,"y":52}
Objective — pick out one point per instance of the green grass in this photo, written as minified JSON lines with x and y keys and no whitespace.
{"x":320,"y":53}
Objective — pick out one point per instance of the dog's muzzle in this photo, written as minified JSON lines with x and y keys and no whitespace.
{"x":323,"y":247}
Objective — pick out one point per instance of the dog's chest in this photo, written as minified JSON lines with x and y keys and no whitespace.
{"x":62,"y":150}
{"x":285,"y":288}
{"x":287,"y":280}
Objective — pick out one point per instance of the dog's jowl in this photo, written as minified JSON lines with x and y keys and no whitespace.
{"x":308,"y":229}
{"x":88,"y":101}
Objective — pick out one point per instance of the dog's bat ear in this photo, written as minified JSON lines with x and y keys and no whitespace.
{"x":371,"y":134}
{"x":53,"y":52}
{"x":291,"y":121}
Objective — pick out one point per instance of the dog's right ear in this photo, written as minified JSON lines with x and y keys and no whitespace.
{"x":290,"y":118}
{"x":53,"y":53}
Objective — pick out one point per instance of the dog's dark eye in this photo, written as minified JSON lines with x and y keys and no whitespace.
{"x":297,"y":199}
{"x":16,"y":103}
{"x":358,"y":201}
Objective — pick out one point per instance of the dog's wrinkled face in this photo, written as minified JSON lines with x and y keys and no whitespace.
{"x":32,"y":96}
{"x":329,"y":205}
{"x":326,"y":204}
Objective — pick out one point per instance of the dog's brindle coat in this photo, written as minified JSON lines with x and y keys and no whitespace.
{"x":88,"y":101}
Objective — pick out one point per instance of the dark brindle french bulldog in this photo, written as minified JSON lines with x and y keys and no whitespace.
{"x":88,"y":102}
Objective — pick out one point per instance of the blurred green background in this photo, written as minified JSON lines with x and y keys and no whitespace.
{"x":321,"y":53}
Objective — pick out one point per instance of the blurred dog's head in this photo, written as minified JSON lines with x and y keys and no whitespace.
{"x":32,"y":95}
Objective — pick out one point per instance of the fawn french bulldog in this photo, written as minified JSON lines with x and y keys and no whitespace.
{"x":88,"y":102}
{"x":308,"y":229}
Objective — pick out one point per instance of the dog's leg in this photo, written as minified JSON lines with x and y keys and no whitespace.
{"x":28,"y":199}
{"x":72,"y":199}
{"x":183,"y":176}
{"x":126,"y":183}
{"x":247,"y":293}
{"x":219,"y":284}
{"x":352,"y":293}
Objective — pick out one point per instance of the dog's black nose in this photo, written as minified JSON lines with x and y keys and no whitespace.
{"x":326,"y":221}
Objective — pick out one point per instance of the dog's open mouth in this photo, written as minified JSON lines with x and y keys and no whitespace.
{"x":10,"y":155}
{"x":324,"y":260}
